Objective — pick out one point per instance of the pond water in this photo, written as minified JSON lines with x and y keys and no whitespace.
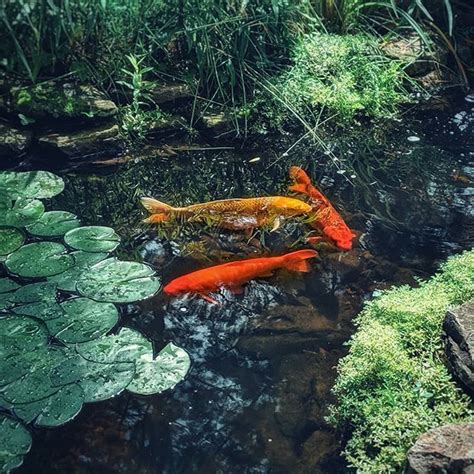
{"x":258,"y":391}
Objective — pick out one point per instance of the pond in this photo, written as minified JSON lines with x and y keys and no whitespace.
{"x":263,"y":363}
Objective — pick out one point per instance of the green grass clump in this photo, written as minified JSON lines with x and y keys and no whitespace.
{"x":344,"y":75}
{"x":393,"y":384}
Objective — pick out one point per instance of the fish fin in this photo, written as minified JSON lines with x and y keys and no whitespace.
{"x":296,"y":261}
{"x":276,"y":224}
{"x":208,"y":298}
{"x":153,"y":206}
{"x":266,"y":274}
{"x":236,"y":290}
{"x":298,"y":188}
{"x":315,"y":240}
{"x":156,"y":218}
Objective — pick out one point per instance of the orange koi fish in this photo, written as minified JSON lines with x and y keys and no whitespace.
{"x":327,"y":220}
{"x":234,"y":274}
{"x":240,"y":213}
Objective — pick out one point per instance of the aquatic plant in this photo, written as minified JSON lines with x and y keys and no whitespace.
{"x":393,"y":384}
{"x":57,"y":311}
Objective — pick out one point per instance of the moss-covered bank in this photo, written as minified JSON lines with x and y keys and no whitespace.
{"x":393,"y":385}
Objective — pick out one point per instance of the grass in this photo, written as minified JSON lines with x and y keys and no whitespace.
{"x":393,"y":384}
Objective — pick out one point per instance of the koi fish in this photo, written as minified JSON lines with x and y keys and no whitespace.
{"x":240,"y":213}
{"x":327,"y":220}
{"x":234,"y":274}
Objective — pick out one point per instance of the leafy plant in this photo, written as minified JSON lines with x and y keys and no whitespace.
{"x":393,"y":384}
{"x":56,"y":350}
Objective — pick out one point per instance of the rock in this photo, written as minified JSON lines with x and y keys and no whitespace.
{"x":164,"y":93}
{"x":53,"y":101}
{"x":448,"y":448}
{"x":166,"y":126}
{"x":94,"y":142}
{"x":217,"y":123}
{"x":459,"y":337}
{"x":13,"y":141}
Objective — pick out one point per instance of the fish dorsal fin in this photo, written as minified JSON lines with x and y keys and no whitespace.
{"x":301,"y":266}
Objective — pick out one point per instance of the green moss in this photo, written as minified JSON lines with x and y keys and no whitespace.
{"x":393,"y":385}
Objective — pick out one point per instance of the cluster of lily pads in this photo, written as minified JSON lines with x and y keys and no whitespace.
{"x":57,"y":307}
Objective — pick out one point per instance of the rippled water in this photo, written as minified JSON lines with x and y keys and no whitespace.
{"x":257,"y":394}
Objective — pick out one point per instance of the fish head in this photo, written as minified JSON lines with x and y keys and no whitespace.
{"x":299,"y":175}
{"x":177,"y":286}
{"x":290,"y":206}
{"x":341,"y":237}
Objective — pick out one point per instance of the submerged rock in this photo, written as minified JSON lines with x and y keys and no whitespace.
{"x":448,"y":448}
{"x":459,"y":336}
{"x":13,"y":141}
{"x":94,"y":142}
{"x":54,"y":101}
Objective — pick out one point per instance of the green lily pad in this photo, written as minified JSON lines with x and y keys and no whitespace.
{"x":15,"y":442}
{"x":11,"y":239}
{"x":7,"y":285}
{"x":118,"y":282}
{"x":55,"y":410}
{"x":67,"y":280}
{"x":53,"y":224}
{"x":82,"y":320}
{"x":98,"y":381}
{"x":162,"y":373}
{"x":39,"y":259}
{"x":42,"y":291}
{"x":44,"y":310}
{"x":31,"y":184}
{"x":21,"y":213}
{"x":93,"y":239}
{"x":126,"y":346}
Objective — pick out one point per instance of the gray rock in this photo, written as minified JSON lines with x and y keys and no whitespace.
{"x":100,"y":141}
{"x":446,"y":449}
{"x":459,"y":337}
{"x":13,"y":141}
{"x":165,"y":93}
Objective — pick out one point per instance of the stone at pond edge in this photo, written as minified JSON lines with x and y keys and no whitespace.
{"x":13,"y":141}
{"x":459,"y":338}
{"x":448,"y":448}
{"x":94,"y":142}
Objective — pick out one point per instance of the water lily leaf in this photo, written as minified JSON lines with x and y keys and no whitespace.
{"x":55,"y":410}
{"x":15,"y":442}
{"x":162,"y":373}
{"x":19,"y":334}
{"x":53,"y":224}
{"x":44,"y":310}
{"x":67,"y":280}
{"x":21,"y":213}
{"x":43,"y":291}
{"x":118,"y":282}
{"x":93,"y":239}
{"x":7,"y":285}
{"x":32,"y":184}
{"x":39,"y":259}
{"x":126,"y":346}
{"x":98,"y":381}
{"x":82,"y":320}
{"x":11,"y":239}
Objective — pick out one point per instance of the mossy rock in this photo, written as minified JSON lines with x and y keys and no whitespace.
{"x":50,"y":100}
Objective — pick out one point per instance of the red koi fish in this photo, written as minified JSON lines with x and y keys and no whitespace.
{"x":327,"y":220}
{"x":234,"y":274}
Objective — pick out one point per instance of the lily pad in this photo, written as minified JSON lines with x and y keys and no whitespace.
{"x":116,"y":281}
{"x":15,"y":442}
{"x":55,"y":410}
{"x":98,"y":381}
{"x":21,"y":213}
{"x":42,"y":291}
{"x":11,"y":239}
{"x":39,"y":259}
{"x":7,"y":285}
{"x":82,"y":262}
{"x":93,"y":239}
{"x":162,"y":373}
{"x":54,"y":223}
{"x":82,"y":320}
{"x":44,"y":310}
{"x":32,"y":184}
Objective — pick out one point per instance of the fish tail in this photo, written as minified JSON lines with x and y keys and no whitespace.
{"x":299,"y":175}
{"x":159,"y":210}
{"x":296,"y":261}
{"x":298,"y":188}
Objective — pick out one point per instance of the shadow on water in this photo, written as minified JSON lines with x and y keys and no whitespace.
{"x":256,"y":397}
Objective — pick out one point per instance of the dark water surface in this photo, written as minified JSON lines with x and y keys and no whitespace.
{"x":258,"y":391}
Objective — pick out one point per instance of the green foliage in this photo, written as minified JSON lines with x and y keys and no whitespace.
{"x":56,"y":352}
{"x":393,"y":385}
{"x":342,"y":75}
